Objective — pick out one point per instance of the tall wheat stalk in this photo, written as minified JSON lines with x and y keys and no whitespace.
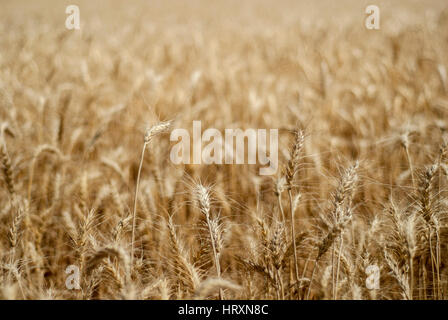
{"x":149,"y":135}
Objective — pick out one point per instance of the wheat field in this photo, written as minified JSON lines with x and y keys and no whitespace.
{"x":356,"y":210}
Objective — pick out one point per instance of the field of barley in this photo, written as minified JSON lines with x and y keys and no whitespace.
{"x":91,"y":207}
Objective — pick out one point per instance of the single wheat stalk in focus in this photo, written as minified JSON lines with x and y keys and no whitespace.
{"x":149,"y":135}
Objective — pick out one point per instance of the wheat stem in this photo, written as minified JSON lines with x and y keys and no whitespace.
{"x":134,"y":212}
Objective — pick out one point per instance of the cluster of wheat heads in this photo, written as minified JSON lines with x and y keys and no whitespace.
{"x":363,"y":172}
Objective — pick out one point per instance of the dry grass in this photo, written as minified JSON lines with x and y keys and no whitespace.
{"x":363,"y":173}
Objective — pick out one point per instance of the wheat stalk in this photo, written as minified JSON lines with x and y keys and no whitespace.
{"x":149,"y":135}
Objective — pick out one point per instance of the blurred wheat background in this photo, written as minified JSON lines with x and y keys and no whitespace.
{"x":363,"y":174}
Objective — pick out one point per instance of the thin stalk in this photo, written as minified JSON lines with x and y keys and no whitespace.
{"x":438,"y":263}
{"x":432,"y":264}
{"x":341,"y":242}
{"x":293,"y":236}
{"x":311,"y":279}
{"x":135,"y":202}
{"x":303,"y":275}
{"x":332,"y":272}
{"x":411,"y":264}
